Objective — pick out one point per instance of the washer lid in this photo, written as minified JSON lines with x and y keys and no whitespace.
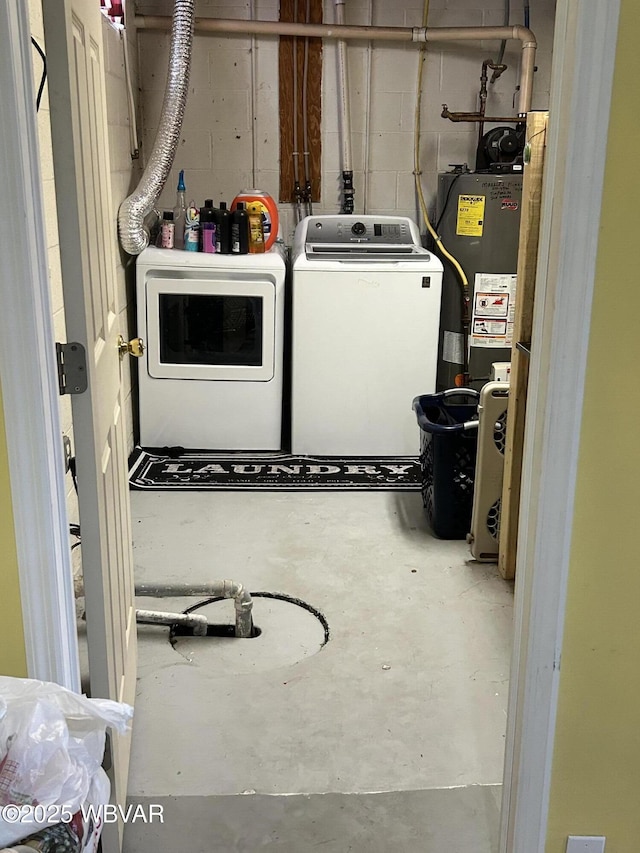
{"x":359,"y":237}
{"x":365,"y":252}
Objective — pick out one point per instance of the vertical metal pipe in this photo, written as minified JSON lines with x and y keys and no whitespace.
{"x":345,"y":115}
{"x":222,"y":589}
{"x":305,"y":120}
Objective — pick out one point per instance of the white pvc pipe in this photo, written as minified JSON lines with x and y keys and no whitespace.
{"x":254,"y":100}
{"x":367,"y":120}
{"x":131,"y":104}
{"x":343,"y":94}
{"x":196,"y":621}
{"x":417,"y":35}
{"x":517,"y":33}
{"x":305,"y":121}
{"x":216,"y":589}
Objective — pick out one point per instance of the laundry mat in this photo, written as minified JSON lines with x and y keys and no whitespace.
{"x":201,"y":471}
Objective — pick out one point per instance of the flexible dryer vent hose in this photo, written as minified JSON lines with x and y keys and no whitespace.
{"x":133,"y":210}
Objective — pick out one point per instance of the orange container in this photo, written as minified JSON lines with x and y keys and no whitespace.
{"x":269,"y":213}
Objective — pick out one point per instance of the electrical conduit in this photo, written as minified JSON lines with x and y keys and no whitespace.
{"x":133,"y":210}
{"x":295,"y":154}
{"x":345,"y":115}
{"x":305,"y":119}
{"x":367,"y":118}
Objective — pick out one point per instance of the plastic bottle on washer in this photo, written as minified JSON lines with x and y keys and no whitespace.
{"x":223,"y":229}
{"x":168,"y":230}
{"x":208,"y":226}
{"x":239,"y":230}
{"x":256,"y":232}
{"x":192,"y":228}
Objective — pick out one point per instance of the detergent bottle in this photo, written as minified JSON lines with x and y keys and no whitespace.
{"x":268,"y":209}
{"x":256,"y":232}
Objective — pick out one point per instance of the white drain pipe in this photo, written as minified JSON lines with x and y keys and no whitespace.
{"x":196,"y":621}
{"x":418,"y":35}
{"x":216,"y":589}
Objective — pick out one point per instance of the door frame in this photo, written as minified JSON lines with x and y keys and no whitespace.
{"x":28,"y":373}
{"x":581,"y":84}
{"x":582,"y":77}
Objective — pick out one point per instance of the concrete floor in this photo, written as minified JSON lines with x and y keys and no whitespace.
{"x":389,"y":737}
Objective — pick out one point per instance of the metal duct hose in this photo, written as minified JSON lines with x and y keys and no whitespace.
{"x":133,"y":210}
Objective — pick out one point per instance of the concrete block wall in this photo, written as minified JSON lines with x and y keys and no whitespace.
{"x":216,"y":148}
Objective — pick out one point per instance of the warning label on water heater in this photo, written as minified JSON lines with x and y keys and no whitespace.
{"x":470,"y":221}
{"x":493,"y":310}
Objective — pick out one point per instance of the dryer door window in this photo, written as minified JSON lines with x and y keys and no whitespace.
{"x":214,"y":329}
{"x":210,"y":329}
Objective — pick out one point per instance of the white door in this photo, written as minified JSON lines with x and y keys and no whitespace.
{"x":73,"y":35}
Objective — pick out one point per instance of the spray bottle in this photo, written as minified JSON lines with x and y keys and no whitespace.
{"x":192,"y":228}
{"x":179,"y":213}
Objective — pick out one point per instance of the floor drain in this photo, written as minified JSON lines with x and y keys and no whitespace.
{"x":290,"y":629}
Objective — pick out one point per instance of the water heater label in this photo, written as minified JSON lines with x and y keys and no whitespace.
{"x":470,"y":220}
{"x":493,"y":310}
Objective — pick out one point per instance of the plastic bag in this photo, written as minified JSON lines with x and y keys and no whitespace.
{"x":51,"y":749}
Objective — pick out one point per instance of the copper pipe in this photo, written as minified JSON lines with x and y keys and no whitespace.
{"x":475,"y":117}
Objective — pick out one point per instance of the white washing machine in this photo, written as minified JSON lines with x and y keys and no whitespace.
{"x":365,"y":317}
{"x":211,"y":377}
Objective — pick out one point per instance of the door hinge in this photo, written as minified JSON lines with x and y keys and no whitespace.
{"x":72,"y":368}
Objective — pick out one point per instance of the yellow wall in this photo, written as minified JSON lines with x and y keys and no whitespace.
{"x":595,"y":786}
{"x":12,"y":653}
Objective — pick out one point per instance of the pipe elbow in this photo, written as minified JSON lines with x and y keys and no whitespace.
{"x":237,"y":591}
{"x":134,"y":237}
{"x":243,"y":599}
{"x":525,"y":35}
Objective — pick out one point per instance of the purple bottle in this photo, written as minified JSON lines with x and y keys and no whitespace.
{"x":208,"y":226}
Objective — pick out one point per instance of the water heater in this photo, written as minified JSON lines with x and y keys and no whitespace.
{"x":478,"y":216}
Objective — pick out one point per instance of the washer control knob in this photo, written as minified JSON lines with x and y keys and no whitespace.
{"x":358,"y":228}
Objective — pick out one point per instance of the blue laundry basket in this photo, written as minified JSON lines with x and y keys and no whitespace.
{"x":448,"y":424}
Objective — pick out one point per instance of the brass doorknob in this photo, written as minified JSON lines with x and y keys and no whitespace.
{"x":134,"y":347}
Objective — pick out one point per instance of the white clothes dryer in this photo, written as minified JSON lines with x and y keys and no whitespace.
{"x":365,"y":318}
{"x":211,"y":377}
